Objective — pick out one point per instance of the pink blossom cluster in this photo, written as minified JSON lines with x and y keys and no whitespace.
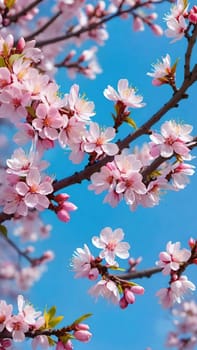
{"x":179,"y":20}
{"x":84,"y":264}
{"x":173,"y":261}
{"x":29,"y":323}
{"x":185,"y":322}
{"x":123,"y":177}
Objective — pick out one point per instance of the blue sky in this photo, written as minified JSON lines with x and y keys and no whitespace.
{"x":125,"y":55}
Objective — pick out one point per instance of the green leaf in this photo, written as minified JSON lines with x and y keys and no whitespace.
{"x":54,"y":321}
{"x":66,"y":337}
{"x":131,"y":122}
{"x":9,"y":3}
{"x":14,"y":58}
{"x":116,"y":268}
{"x":82,"y":318}
{"x":31,"y":111}
{"x":51,"y":341}
{"x":2,"y":62}
{"x":3,"y":230}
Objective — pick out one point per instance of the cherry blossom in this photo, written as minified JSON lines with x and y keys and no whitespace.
{"x":126,"y":94}
{"x":81,"y":263}
{"x":97,"y":141}
{"x":5,"y":314}
{"x":106,"y":289}
{"x":174,"y":138}
{"x":173,"y":258}
{"x":163,"y":71}
{"x":111,"y":245}
{"x":35,"y":189}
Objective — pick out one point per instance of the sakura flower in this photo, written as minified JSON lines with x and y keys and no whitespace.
{"x":166,"y":297}
{"x":27,"y":311}
{"x":162,"y":71}
{"x":181,"y":287}
{"x":176,"y":28}
{"x":35,"y":190}
{"x":5,"y":314}
{"x":47,"y":122}
{"x":127,"y":95}
{"x":180,"y":173}
{"x":81,"y":263}
{"x":18,"y":327}
{"x":40,"y":341}
{"x":110,"y":242}
{"x":97,"y":141}
{"x":173,"y":258}
{"x":173,"y":139}
{"x":78,"y":106}
{"x":106,"y":289}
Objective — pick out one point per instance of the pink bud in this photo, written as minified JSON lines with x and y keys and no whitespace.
{"x":191,"y":242}
{"x":67,"y":346}
{"x":82,"y":327}
{"x":63,"y":215}
{"x":129,"y":296}
{"x":20,"y":44}
{"x":61,"y":197}
{"x":138,"y":24}
{"x":82,"y":335}
{"x":157,"y":30}
{"x":137,"y":290}
{"x":193,"y":15}
{"x":93,"y":274}
{"x":48,"y":255}
{"x":123,"y":303}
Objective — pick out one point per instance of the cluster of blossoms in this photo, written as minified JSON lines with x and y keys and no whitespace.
{"x":110,"y":286}
{"x":185,"y":334}
{"x":173,"y":262}
{"x":79,"y":22}
{"x":126,"y":178}
{"x":179,"y":20}
{"x":29,"y":323}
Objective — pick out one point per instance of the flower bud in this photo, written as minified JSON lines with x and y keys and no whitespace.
{"x":82,"y":335}
{"x":129,"y":296}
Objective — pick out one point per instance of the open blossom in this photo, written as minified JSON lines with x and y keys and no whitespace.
{"x":176,"y":28}
{"x":162,"y":70}
{"x":106,"y":289}
{"x":81,"y":263}
{"x":5,"y":314}
{"x":176,"y":291}
{"x":97,"y":141}
{"x":126,"y":94}
{"x":18,"y":327}
{"x":47,"y":122}
{"x":111,"y":245}
{"x":173,"y":139}
{"x":173,"y":258}
{"x":35,"y":190}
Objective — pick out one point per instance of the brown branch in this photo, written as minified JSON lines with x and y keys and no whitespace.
{"x":95,"y":25}
{"x":16,"y":248}
{"x":191,"y":42}
{"x":42,"y":29}
{"x":141,"y":274}
{"x":23,"y":12}
{"x":144,"y":129}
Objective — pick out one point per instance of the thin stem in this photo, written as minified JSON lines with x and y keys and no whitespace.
{"x":23,"y":12}
{"x":95,"y":25}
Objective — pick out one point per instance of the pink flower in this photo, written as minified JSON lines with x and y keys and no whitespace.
{"x":18,"y":327}
{"x":5,"y":314}
{"x":81,"y":263}
{"x":173,"y":258}
{"x":161,"y":71}
{"x":64,"y":346}
{"x":35,"y":190}
{"x":111,"y":245}
{"x":40,"y":341}
{"x":173,"y":139}
{"x":126,"y":95}
{"x":180,"y":287}
{"x":176,"y":28}
{"x":47,"y":122}
{"x":28,"y":312}
{"x":180,"y":173}
{"x":106,"y":289}
{"x":78,"y":106}
{"x":82,"y":335}
{"x":64,"y":207}
{"x":97,"y":141}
